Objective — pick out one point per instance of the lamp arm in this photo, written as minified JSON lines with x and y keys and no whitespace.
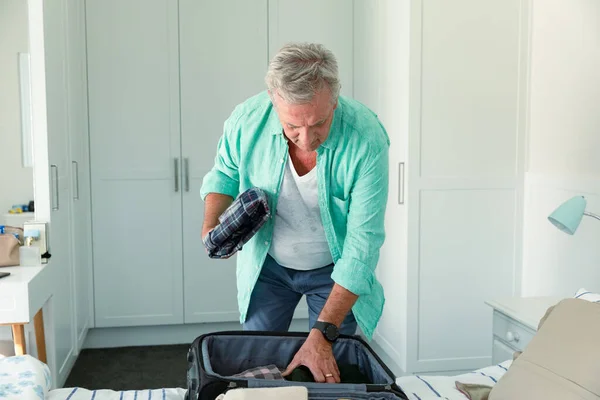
{"x":589,"y":214}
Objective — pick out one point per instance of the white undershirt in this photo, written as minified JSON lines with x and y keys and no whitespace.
{"x":298,"y":237}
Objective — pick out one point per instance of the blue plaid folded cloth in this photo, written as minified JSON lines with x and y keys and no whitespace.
{"x":238,"y":224}
{"x":266,"y":372}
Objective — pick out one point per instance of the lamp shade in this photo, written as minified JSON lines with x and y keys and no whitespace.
{"x":569,"y":214}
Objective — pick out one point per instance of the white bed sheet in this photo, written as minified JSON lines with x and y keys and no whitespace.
{"x":84,"y":394}
{"x":417,"y":387}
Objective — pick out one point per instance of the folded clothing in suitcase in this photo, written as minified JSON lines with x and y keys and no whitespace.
{"x":215,"y":361}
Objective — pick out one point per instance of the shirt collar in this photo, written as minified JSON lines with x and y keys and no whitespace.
{"x":273,"y":126}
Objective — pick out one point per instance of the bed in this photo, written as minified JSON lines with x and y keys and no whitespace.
{"x":24,"y":378}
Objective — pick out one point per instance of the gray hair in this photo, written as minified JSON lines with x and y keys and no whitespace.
{"x":299,"y":70}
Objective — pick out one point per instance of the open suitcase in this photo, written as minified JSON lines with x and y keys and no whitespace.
{"x":214,"y":359}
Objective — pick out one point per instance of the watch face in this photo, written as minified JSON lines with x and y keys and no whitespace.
{"x":331,"y":332}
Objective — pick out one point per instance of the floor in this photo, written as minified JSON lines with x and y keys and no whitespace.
{"x":130,"y":368}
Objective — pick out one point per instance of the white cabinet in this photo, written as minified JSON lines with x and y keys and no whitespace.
{"x":465,"y":171}
{"x":69,"y":220}
{"x":515,"y":321}
{"x":59,"y":102}
{"x":458,"y":162}
{"x":133,"y":86}
{"x":154,"y":126}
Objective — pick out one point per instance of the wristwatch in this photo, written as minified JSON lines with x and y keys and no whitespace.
{"x":329,"y":330}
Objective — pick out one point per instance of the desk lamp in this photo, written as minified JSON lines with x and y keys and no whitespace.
{"x":569,"y":214}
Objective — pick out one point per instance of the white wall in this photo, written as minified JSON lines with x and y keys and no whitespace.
{"x":564,"y":140}
{"x":565,"y":88}
{"x":381,"y":79}
{"x":16,"y":182}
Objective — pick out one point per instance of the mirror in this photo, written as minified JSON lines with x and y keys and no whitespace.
{"x":25,"y":93}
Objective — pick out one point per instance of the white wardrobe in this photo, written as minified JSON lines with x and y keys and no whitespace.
{"x":163,"y":76}
{"x":65,"y":117}
{"x":448,"y":79}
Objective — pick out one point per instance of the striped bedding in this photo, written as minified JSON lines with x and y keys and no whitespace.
{"x":417,"y":387}
{"x":84,"y":394}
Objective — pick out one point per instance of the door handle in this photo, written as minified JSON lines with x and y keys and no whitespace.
{"x":55,"y":195}
{"x":401,"y":183}
{"x":176,"y":172}
{"x":186,"y":174}
{"x":76,"y":172}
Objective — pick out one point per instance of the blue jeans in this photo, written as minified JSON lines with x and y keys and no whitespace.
{"x":279,"y":290}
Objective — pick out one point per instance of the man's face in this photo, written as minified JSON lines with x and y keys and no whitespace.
{"x":306,"y":125}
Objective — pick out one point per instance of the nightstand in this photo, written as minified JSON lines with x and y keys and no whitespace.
{"x":515,"y":322}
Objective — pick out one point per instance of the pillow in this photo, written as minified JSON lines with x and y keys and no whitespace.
{"x":561,"y":361}
{"x":23,"y":377}
{"x":584,"y":294}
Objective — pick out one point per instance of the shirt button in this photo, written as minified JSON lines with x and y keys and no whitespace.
{"x":266,"y":243}
{"x":281,"y":161}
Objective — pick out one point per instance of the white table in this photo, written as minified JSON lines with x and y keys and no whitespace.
{"x":515,"y":322}
{"x":17,"y":219}
{"x":22,"y":296}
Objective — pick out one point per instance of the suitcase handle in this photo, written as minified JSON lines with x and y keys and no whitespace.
{"x":264,"y":383}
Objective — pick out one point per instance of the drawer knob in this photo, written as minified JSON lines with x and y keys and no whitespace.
{"x":512,"y":337}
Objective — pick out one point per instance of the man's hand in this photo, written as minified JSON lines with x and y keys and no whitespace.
{"x":316,"y":353}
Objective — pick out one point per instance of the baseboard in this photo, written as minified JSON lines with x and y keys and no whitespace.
{"x":163,"y":334}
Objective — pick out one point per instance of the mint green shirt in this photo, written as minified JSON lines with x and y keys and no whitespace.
{"x":352,"y":174}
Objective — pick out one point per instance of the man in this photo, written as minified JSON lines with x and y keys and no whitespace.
{"x":323,"y":161}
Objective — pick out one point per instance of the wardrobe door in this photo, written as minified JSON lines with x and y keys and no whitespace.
{"x":223,"y":50}
{"x":79,"y":167}
{"x":465,"y":167}
{"x":61,"y":338}
{"x":133,"y":78}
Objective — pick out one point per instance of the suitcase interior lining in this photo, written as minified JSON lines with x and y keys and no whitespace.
{"x":225,"y":355}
